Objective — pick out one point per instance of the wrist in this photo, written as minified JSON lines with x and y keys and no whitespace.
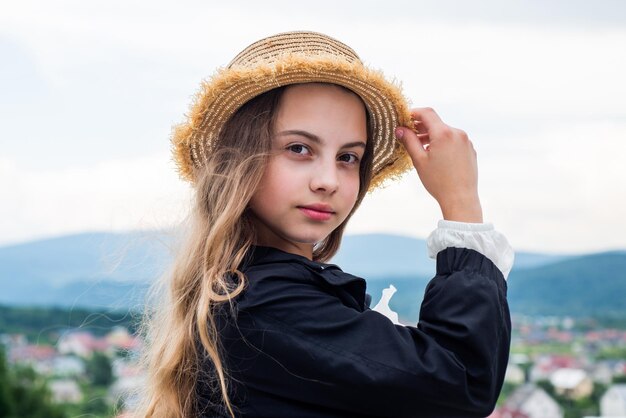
{"x":470,"y":212}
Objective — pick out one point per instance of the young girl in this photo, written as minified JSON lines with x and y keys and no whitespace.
{"x":282,"y":146}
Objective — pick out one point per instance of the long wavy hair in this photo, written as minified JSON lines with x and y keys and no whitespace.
{"x":179,"y":322}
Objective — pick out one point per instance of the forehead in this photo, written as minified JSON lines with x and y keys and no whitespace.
{"x":322,"y":109}
{"x":302,"y":90}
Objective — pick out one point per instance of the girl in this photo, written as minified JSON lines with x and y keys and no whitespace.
{"x":282,"y":146}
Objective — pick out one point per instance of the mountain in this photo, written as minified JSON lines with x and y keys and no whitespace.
{"x":107,"y":270}
{"x":383,"y":255}
{"x":89,"y":257}
{"x":95,"y":270}
{"x":380,"y":255}
{"x":594,"y":284}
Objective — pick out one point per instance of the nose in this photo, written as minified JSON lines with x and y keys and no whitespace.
{"x":325,"y":177}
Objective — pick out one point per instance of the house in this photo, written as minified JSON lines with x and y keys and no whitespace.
{"x":530,"y":401}
{"x":563,"y":337}
{"x":601,"y":372}
{"x":545,"y":365}
{"x":514,"y":374}
{"x":65,"y":391}
{"x":126,"y":391}
{"x":572,"y":383}
{"x":613,"y":402}
{"x":13,"y":340}
{"x":125,"y":368}
{"x":31,"y":353}
{"x":40,"y":357}
{"x":82,"y":344}
{"x":120,"y":338}
{"x":68,"y":366}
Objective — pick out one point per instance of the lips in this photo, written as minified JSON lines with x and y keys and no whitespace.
{"x":319,"y":207}
{"x":317,"y":212}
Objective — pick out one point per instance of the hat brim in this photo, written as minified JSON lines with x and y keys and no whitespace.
{"x":225,"y":92}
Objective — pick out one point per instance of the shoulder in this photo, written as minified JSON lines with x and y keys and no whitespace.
{"x":267,"y":263}
{"x":277,"y":271}
{"x":277,"y":278}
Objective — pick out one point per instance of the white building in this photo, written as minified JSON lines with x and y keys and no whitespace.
{"x":65,"y":391}
{"x":68,"y":366}
{"x":601,"y":372}
{"x":613,"y":402}
{"x":531,"y":401}
{"x":82,"y":344}
{"x":127,"y":390}
{"x":514,"y":374}
{"x":573,"y":383}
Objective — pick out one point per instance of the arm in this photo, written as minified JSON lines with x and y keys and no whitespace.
{"x":446,"y":163}
{"x":304,"y":344}
{"x":479,"y":237}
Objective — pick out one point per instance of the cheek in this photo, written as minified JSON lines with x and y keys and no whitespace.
{"x":274,"y":186}
{"x":351,"y":187}
{"x":263,"y":190}
{"x":277,"y":179}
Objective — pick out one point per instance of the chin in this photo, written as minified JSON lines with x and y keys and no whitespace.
{"x":311,"y":241}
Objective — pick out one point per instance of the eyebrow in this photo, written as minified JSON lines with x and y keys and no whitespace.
{"x":317,"y":139}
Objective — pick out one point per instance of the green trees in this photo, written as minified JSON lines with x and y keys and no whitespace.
{"x":99,"y":370}
{"x":31,"y":321}
{"x":32,"y":397}
{"x":7,"y":408}
{"x":24,"y":394}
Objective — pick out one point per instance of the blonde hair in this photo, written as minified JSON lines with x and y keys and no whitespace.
{"x":179,"y":325}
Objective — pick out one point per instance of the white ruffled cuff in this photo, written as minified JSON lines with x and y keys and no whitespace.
{"x":479,"y":237}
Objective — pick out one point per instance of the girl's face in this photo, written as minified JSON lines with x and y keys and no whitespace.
{"x":311,"y":183}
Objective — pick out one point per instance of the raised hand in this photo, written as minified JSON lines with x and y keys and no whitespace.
{"x":445,"y":160}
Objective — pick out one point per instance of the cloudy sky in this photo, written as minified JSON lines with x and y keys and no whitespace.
{"x":89,"y":92}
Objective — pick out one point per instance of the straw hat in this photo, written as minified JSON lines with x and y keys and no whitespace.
{"x":284,"y":59}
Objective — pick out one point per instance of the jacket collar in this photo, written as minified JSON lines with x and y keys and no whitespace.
{"x":330,"y":273}
{"x":260,"y":254}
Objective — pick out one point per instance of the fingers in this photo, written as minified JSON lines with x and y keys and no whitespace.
{"x":429,"y":130}
{"x":446,"y":163}
{"x":414,"y":143}
{"x":430,"y":126}
{"x":420,"y":127}
{"x":428,"y":120}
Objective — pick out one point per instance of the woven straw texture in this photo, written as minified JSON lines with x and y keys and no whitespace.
{"x":291,"y":58}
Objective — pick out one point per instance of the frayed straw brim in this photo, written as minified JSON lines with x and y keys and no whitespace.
{"x":292,"y":58}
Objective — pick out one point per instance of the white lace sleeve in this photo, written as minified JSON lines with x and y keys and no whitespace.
{"x":479,"y":237}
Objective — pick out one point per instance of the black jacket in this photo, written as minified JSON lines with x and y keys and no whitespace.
{"x":306,"y":343}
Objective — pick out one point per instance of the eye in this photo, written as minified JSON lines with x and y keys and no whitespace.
{"x":299,"y":149}
{"x":351,"y":158}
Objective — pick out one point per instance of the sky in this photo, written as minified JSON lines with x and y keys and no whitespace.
{"x":89,"y":92}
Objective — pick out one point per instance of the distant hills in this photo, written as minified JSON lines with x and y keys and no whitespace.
{"x":590,"y":285}
{"x":113,"y":271}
